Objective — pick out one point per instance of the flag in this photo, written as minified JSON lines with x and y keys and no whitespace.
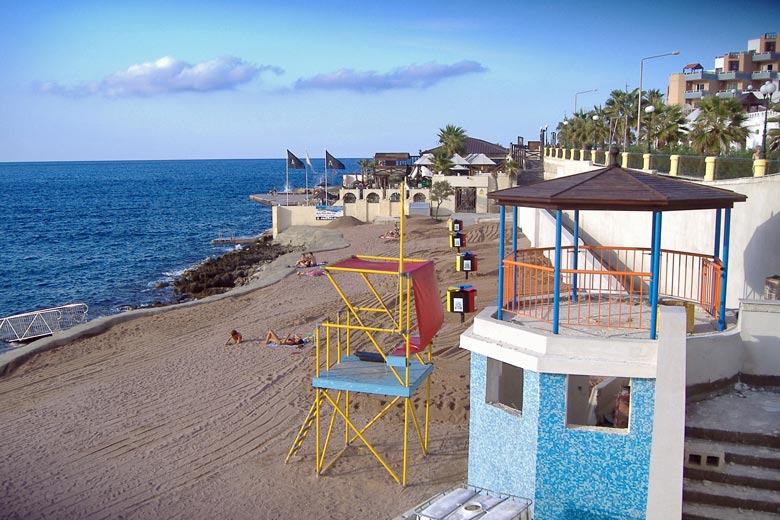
{"x":308,"y":161}
{"x":293,"y":162}
{"x":332,"y":162}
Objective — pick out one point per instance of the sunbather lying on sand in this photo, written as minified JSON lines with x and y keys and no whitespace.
{"x":235,"y":337}
{"x":291,"y":339}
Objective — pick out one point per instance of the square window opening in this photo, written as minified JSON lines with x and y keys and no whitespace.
{"x":504,"y":385}
{"x":598,"y":401}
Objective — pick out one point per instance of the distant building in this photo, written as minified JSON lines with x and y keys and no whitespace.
{"x":734,"y":73}
{"x":495,"y":152}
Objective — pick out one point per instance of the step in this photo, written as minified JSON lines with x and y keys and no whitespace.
{"x":731,"y":496}
{"x":744,"y":454}
{"x":710,"y":434}
{"x":692,"y":511}
{"x":765,"y":478}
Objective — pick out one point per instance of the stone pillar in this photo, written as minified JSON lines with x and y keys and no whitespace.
{"x":674,"y":161}
{"x":645,"y":161}
{"x":759,"y":167}
{"x":624,"y":160}
{"x":709,"y":168}
{"x":573,"y":154}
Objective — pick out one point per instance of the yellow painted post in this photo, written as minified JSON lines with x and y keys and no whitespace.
{"x":759,"y":167}
{"x":317,"y":431}
{"x":674,"y":161}
{"x":573,"y":154}
{"x":624,"y":160}
{"x":593,"y":156}
{"x":709,"y":168}
{"x":645,"y":161}
{"x":406,"y":439}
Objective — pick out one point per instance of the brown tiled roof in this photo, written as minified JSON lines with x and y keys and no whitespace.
{"x":474,"y":145}
{"x":615,"y":188}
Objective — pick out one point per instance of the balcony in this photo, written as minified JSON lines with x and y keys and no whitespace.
{"x":730,"y":93}
{"x":763,"y":74}
{"x":766,"y":56}
{"x":696,"y":94}
{"x":725,"y":76}
{"x":700,"y":74}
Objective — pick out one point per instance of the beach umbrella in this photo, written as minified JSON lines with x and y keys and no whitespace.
{"x":480,"y":159}
{"x":425,"y":160}
{"x":459,"y":161}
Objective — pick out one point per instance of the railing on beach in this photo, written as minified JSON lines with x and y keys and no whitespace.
{"x":37,"y":324}
{"x":608,"y":287}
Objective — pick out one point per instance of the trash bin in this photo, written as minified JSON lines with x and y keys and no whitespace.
{"x":772,"y":288}
{"x":689,"y":312}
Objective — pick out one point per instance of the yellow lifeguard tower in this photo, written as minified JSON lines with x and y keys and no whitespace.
{"x":384,"y":349}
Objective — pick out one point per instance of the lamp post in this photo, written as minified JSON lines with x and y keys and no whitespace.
{"x":595,"y":122}
{"x":641,"y":70}
{"x":582,"y":92}
{"x":649,"y":111}
{"x":767,"y":89}
{"x":543,"y":135}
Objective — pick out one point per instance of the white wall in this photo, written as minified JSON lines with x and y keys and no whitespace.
{"x":760,"y":332}
{"x":754,"y":240}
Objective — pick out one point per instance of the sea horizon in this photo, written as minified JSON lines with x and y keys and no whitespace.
{"x":114,"y":234}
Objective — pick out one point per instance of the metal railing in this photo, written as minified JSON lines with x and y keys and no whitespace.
{"x":37,"y":324}
{"x":608,"y":287}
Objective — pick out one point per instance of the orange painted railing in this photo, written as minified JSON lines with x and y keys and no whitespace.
{"x":610,"y":286}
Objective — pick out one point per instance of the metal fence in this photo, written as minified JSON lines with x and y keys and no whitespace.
{"x":691,"y":166}
{"x":733,"y":167}
{"x":37,"y":324}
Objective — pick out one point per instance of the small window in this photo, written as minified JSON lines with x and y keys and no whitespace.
{"x":349,"y":198}
{"x":372,"y":198}
{"x":419,"y":197}
{"x":504,"y":386}
{"x":395,"y":197}
{"x":598,"y":401}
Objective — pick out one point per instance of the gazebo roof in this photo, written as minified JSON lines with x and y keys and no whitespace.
{"x":616,"y":189}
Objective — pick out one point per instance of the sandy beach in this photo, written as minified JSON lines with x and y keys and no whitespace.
{"x":157,"y":418}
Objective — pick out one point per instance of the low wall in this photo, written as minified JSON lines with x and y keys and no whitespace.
{"x":285,"y":217}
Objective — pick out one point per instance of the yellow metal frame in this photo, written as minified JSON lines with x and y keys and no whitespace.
{"x":335,"y":339}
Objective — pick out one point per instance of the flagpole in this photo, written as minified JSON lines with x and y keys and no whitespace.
{"x":287,"y":179}
{"x":326,"y":180}
{"x":307,"y":185}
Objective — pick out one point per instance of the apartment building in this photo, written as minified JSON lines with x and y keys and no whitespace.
{"x":734,"y":73}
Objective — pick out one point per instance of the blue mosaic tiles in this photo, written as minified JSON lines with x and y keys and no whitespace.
{"x":569,"y":473}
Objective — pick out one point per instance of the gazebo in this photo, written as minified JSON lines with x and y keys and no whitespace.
{"x":612,"y":286}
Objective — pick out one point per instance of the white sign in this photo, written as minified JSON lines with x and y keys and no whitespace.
{"x":329,"y":212}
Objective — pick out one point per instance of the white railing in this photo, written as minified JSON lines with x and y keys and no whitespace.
{"x":37,"y":324}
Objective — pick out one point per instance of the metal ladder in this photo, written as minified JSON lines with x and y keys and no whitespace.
{"x":304,"y":431}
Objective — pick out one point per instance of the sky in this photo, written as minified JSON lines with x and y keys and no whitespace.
{"x":135,"y":80}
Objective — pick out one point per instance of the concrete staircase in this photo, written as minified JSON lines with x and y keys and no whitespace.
{"x":731,"y":475}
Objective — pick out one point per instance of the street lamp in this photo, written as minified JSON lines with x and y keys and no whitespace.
{"x":595,"y":122}
{"x":767,"y":89}
{"x":649,"y":111}
{"x":565,"y":124}
{"x":582,"y":92}
{"x":641,"y":70}
{"x":543,"y":135}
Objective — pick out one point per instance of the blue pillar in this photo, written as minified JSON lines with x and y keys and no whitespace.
{"x":501,"y":240}
{"x":716,"y":254}
{"x":656,"y":269}
{"x":724,"y":276}
{"x":557,"y":289}
{"x":576,"y":253}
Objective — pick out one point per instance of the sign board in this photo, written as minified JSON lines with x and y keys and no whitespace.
{"x":329,"y":212}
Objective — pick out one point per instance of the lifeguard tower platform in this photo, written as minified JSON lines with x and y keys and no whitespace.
{"x":380,"y":349}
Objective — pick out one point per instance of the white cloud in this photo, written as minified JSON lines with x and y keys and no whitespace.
{"x":166,"y":76}
{"x":410,"y":76}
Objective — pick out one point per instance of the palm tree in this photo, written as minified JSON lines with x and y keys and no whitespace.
{"x":579,"y":129}
{"x":668,"y":125}
{"x":366,"y":167}
{"x":441,"y":161}
{"x":621,"y":110}
{"x":719,"y":124}
{"x":511,"y":168}
{"x":453,"y":139}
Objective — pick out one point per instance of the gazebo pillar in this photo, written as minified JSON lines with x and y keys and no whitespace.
{"x":501,"y":240}
{"x":724,"y":274}
{"x":716,"y":253}
{"x":656,"y":268}
{"x":557,"y":281}
{"x":576,"y":254}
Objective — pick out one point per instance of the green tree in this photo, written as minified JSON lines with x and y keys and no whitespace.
{"x":441,"y":162}
{"x":579,"y":130}
{"x":621,"y":110}
{"x":512,"y":168}
{"x":366,"y":167}
{"x":719,"y":124}
{"x":668,"y":124}
{"x":453,"y":139}
{"x":441,"y":191}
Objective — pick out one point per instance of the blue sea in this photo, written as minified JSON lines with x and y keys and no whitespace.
{"x":108,"y":233}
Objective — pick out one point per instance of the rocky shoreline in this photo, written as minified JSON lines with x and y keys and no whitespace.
{"x":233,"y":269}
